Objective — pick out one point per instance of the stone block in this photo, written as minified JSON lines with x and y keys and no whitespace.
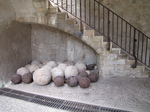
{"x":40,"y":9}
{"x":119,"y":68}
{"x":112,"y":56}
{"x":37,"y":4}
{"x":61,"y":15}
{"x":23,"y":10}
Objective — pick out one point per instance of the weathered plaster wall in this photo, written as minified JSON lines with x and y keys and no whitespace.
{"x":49,"y":43}
{"x":15,"y":42}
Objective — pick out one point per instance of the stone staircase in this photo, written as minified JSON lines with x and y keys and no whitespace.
{"x":110,"y":63}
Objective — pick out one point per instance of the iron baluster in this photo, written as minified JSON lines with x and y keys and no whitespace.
{"x":134,"y":51}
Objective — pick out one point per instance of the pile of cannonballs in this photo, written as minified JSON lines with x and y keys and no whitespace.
{"x":60,"y":73}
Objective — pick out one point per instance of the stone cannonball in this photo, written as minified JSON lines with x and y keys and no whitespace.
{"x":16,"y":79}
{"x":33,"y":67}
{"x":72,"y":81}
{"x":52,"y":64}
{"x":69,"y":63}
{"x":71,"y":71}
{"x":62,"y":66}
{"x":84,"y":82}
{"x":59,"y":81}
{"x":57,"y":72}
{"x":27,"y":78}
{"x":41,"y":76}
{"x":27,"y":66}
{"x":82,"y":74}
{"x":35,"y":62}
{"x":90,"y":66}
{"x":23,"y":70}
{"x":49,"y":68}
{"x":81,"y":67}
{"x":93,"y":77}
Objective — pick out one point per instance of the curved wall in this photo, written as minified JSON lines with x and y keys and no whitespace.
{"x":49,"y":43}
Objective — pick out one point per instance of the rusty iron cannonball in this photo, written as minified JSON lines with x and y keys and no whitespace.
{"x":59,"y":81}
{"x":90,"y":66}
{"x":93,"y":77}
{"x":72,"y":81}
{"x":16,"y":79}
{"x":84,"y":82}
{"x":82,"y":74}
{"x":27,"y":78}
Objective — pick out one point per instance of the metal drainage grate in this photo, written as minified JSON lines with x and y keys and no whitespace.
{"x":55,"y":103}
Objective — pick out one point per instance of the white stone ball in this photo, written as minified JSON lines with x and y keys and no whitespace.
{"x":49,"y":68}
{"x":57,"y":72}
{"x":41,"y":76}
{"x":69,"y":63}
{"x":40,"y":65}
{"x":27,"y":66}
{"x":23,"y":70}
{"x":52,"y":64}
{"x":59,"y":63}
{"x":35,"y":62}
{"x":71,"y":71}
{"x":45,"y":62}
{"x":81,"y":67}
{"x":32,"y":68}
{"x":62,"y":66}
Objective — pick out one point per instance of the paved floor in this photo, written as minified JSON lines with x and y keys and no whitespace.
{"x":121,"y":93}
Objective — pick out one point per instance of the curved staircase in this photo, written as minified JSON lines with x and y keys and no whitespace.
{"x":111,"y":63}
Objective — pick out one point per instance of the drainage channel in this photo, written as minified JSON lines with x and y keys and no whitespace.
{"x":55,"y":103}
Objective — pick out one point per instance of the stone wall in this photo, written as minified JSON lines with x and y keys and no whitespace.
{"x":49,"y":43}
{"x":15,"y":42}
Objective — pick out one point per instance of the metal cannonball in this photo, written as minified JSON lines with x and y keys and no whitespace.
{"x":16,"y":79}
{"x":59,"y":81}
{"x":84,"y":82}
{"x":27,"y":78}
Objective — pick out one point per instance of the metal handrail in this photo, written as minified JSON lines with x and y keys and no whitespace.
{"x":112,"y":26}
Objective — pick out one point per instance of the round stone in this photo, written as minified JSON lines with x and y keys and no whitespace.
{"x":72,"y":81}
{"x":27,"y":78}
{"x":84,"y":82}
{"x":93,"y":77}
{"x":16,"y":79}
{"x":59,"y":81}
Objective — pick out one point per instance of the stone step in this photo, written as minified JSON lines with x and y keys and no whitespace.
{"x":122,"y":56}
{"x":115,"y":50}
{"x":71,"y":21}
{"x":61,"y":15}
{"x":89,"y":33}
{"x":52,"y":10}
{"x":98,"y":38}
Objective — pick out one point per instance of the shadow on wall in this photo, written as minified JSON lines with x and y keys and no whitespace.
{"x":49,"y":43}
{"x":15,"y":49}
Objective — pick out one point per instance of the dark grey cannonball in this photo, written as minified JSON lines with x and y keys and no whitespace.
{"x":93,"y":77}
{"x":72,"y":81}
{"x":90,"y":66}
{"x":59,"y":81}
{"x":84,"y":82}
{"x":16,"y":79}
{"x":82,"y":74}
{"x":27,"y":78}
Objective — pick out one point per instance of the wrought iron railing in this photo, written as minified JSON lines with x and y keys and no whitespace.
{"x":112,"y":26}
